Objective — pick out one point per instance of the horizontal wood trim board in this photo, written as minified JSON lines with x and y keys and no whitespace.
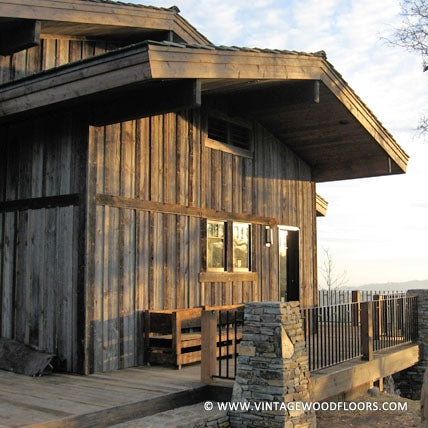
{"x":136,"y":410}
{"x":217,"y":145}
{"x":38,"y":203}
{"x":117,"y":16}
{"x":228,"y":276}
{"x":336,"y":380}
{"x":164,"y":208}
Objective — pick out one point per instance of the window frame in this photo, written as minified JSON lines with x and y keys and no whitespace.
{"x":225,"y":239}
{"x":249,"y":248}
{"x":228,"y":248}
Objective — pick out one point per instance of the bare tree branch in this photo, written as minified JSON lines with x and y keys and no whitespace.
{"x":413,"y":36}
{"x":332,"y":279}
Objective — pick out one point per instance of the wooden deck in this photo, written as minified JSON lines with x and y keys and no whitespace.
{"x":60,"y":400}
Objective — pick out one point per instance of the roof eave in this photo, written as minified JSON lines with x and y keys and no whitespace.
{"x":154,"y":61}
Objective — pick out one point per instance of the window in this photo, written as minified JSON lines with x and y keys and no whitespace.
{"x":241,"y":246}
{"x":216,"y":259}
{"x":228,"y":255}
{"x":229,"y":136}
{"x":229,"y":133}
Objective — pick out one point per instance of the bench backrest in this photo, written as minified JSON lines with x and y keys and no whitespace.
{"x":161,"y":321}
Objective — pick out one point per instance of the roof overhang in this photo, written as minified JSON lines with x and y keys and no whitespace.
{"x":93,"y":20}
{"x":300,"y":98}
{"x":321,"y":206}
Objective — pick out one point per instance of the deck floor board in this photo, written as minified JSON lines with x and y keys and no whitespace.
{"x":25,"y":401}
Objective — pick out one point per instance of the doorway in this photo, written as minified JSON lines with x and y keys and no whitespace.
{"x":288,"y":263}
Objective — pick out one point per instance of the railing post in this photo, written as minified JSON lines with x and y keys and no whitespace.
{"x":379,"y":328}
{"x":367,"y":330}
{"x":208,"y":345}
{"x":356,"y":298}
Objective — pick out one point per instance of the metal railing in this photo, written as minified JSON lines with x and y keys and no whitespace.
{"x":335,"y":297}
{"x":337,"y":333}
{"x":221,"y":334}
{"x":332,"y":334}
{"x":394,"y":321}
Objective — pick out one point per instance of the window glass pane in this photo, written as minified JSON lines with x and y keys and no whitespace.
{"x":282,"y":247}
{"x":215,"y":244}
{"x":241,"y":246}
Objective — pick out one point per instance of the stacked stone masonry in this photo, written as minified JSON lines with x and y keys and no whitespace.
{"x":409,"y":381}
{"x":272,"y":369}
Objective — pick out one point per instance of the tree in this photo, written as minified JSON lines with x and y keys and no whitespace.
{"x":413,"y":36}
{"x":332,"y":279}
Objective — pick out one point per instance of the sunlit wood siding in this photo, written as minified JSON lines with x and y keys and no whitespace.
{"x":50,"y":53}
{"x":149,"y":257}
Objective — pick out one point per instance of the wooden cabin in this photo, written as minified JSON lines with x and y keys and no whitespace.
{"x":143,"y":167}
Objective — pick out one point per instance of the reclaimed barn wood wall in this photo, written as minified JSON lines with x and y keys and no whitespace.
{"x":41,"y":174}
{"x":50,"y":53}
{"x":150,"y":256}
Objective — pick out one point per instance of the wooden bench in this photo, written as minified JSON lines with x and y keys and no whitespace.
{"x":173,"y":336}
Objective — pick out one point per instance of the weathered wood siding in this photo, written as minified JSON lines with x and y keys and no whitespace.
{"x":149,"y":259}
{"x":50,"y":53}
{"x":40,"y":177}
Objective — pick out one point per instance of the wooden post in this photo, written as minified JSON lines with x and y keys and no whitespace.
{"x":367,"y":330}
{"x":356,"y":298}
{"x":208,"y":345}
{"x":378,"y":316}
{"x":176,"y":338}
{"x":146,"y":336}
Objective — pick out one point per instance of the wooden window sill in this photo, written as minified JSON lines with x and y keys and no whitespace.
{"x":227,"y":276}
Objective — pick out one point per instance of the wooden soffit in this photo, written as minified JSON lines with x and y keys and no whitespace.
{"x":299,"y":98}
{"x":106,"y":20}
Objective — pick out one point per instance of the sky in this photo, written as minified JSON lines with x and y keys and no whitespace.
{"x":376,"y":229}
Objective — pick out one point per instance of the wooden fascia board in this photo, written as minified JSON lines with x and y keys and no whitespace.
{"x":364,"y":116}
{"x":119,"y":15}
{"x":167,"y":62}
{"x":321,"y":206}
{"x":73,"y":81}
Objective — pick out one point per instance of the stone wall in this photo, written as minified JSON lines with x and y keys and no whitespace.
{"x":272,"y":368}
{"x":409,"y":381}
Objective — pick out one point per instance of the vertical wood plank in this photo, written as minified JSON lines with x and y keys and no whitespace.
{"x":62,"y":52}
{"x":195,"y":159}
{"x":34,"y":60}
{"x":5,"y":69}
{"x":127,"y":309}
{"x":48,"y":53}
{"x":65,"y":155}
{"x":7,"y":278}
{"x":158,"y":260}
{"x":157,"y":164}
{"x":51,"y":297}
{"x":142,"y":278}
{"x":65,"y":281}
{"x":98,"y":295}
{"x":19,"y":64}
{"x":194,"y":262}
{"x":37,"y":243}
{"x":227,"y":182}
{"x":75,"y":50}
{"x":22,"y":295}
{"x":183,"y":252}
{"x":182,"y":159}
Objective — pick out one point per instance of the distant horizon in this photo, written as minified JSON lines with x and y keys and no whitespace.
{"x":380,"y":285}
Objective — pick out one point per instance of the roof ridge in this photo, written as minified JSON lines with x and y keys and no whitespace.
{"x":172,"y":9}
